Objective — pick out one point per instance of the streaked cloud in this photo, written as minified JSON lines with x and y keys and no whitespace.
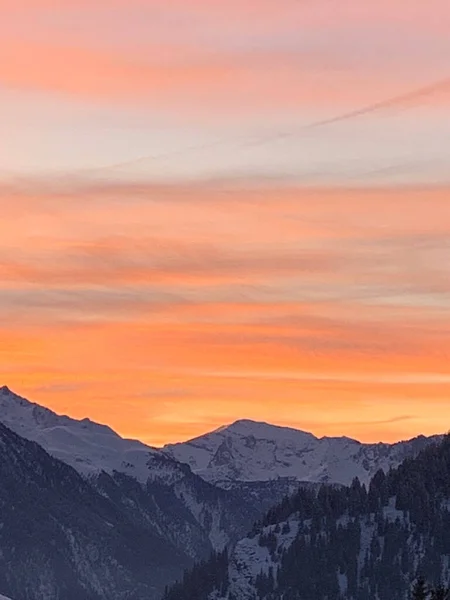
{"x":239,"y":72}
{"x":334,"y":300}
{"x":223,"y":210}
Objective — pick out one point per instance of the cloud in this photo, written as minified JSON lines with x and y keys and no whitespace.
{"x":168,"y":308}
{"x":272,"y":329}
{"x":155,"y":62}
{"x":131,"y":262}
{"x":147,"y":245}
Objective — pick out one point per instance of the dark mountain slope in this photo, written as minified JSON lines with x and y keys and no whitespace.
{"x":164,"y":494}
{"x":62,"y":539}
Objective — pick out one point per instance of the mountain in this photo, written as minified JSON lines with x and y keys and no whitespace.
{"x":61,"y":538}
{"x":248,"y":451}
{"x":87,"y":446}
{"x":175,"y":508}
{"x":110,"y":517}
{"x":341,"y":541}
{"x":208,"y":517}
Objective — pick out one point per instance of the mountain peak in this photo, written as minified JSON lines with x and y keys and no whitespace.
{"x":247,"y":428}
{"x":11,"y":401}
{"x":247,"y":423}
{"x":250,"y":451}
{"x":87,"y":446}
{"x":240,"y":425}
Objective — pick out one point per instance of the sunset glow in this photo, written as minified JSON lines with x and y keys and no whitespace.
{"x":215,"y":211}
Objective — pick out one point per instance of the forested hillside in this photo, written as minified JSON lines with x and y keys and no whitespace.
{"x":342,"y":542}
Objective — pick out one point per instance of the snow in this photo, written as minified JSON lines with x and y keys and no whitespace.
{"x":249,"y":559}
{"x":4,"y":598}
{"x":91,"y":448}
{"x":217,"y":534}
{"x":250,"y":451}
{"x":245,"y":451}
{"x":88,"y":447}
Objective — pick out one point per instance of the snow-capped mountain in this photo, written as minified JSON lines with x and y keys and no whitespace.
{"x":249,"y":451}
{"x":341,"y":542}
{"x":87,"y":446}
{"x":193,"y":514}
{"x":95,"y":505}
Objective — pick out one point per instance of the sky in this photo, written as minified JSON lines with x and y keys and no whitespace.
{"x":224,"y":210}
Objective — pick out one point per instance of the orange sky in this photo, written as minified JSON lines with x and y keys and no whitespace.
{"x":168,"y":311}
{"x":214,"y":211}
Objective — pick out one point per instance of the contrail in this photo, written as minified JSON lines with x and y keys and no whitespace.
{"x":247,"y":142}
{"x":370,"y":108}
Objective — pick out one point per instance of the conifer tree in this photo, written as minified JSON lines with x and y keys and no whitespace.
{"x":420,"y":589}
{"x":440,"y":593}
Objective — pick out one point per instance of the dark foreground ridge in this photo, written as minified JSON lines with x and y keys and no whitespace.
{"x":60,"y":538}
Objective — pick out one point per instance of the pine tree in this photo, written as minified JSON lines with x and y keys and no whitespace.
{"x":420,"y":589}
{"x":440,"y":593}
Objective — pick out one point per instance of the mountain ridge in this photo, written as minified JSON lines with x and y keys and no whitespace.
{"x":239,"y":472}
{"x":287,"y":428}
{"x":205,"y":517}
{"x":250,"y":451}
{"x":244,"y":451}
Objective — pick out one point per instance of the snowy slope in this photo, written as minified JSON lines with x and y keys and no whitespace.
{"x":195,"y":515}
{"x":4,"y":598}
{"x":249,"y":558}
{"x":249,"y":451}
{"x":245,"y":451}
{"x":87,"y":446}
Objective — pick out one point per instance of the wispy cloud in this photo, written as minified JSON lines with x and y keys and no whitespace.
{"x":230,"y":209}
{"x":232,"y":295}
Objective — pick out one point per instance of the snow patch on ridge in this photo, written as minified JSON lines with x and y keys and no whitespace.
{"x":249,"y":451}
{"x":87,"y":446}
